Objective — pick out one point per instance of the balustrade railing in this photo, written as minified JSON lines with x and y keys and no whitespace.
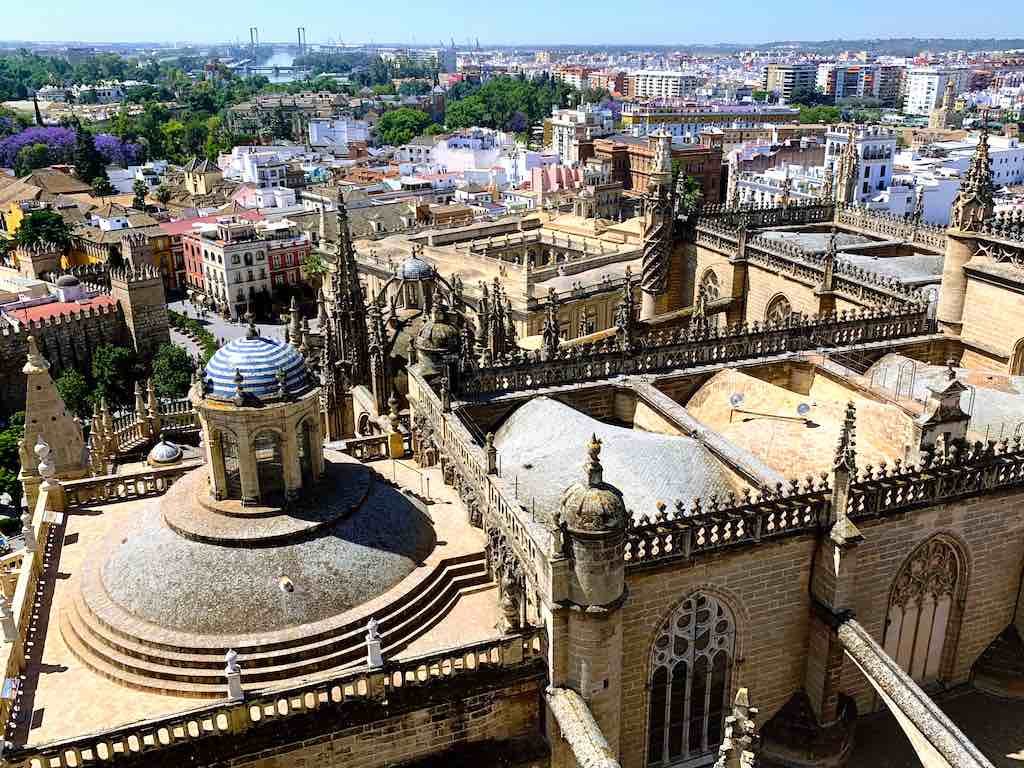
{"x":692,"y":347}
{"x":136,"y":485}
{"x":274,"y":707}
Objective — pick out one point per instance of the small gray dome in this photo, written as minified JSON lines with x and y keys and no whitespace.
{"x":594,"y":506}
{"x":415,"y":268}
{"x":164,"y":452}
{"x":67,"y":281}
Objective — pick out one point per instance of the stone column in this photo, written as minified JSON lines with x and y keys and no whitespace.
{"x":248,"y":474}
{"x":290,"y":460}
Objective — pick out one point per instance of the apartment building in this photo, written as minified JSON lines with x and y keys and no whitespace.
{"x":783,"y":79}
{"x":926,"y":86}
{"x":662,"y":84}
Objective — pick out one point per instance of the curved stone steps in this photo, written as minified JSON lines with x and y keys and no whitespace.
{"x":139,"y":665}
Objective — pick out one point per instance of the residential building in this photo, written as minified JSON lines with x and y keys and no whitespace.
{"x":577,"y":77}
{"x":334,"y":134}
{"x":875,"y":151}
{"x":783,"y":79}
{"x":926,"y":86}
{"x":686,"y":121}
{"x":569,"y":127}
{"x":662,"y":84}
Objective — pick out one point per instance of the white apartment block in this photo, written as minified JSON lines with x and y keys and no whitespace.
{"x":663,"y":84}
{"x":876,"y":153}
{"x":926,"y":86}
{"x":571,"y":126}
{"x":335,"y":133}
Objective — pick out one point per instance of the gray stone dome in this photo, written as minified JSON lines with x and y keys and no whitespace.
{"x":67,"y":281}
{"x":594,"y":506}
{"x":164,"y":453}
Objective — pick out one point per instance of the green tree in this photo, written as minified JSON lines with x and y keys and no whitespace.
{"x":101,"y":186}
{"x":88,"y":161}
{"x":76,"y":392}
{"x":115,"y":371}
{"x":174,"y":140}
{"x":414,"y":88}
{"x":44,"y":227}
{"x":172,"y":371}
{"x":163,"y":194}
{"x":139,"y":192}
{"x":31,"y":157}
{"x":400,"y":125}
{"x":10,"y":461}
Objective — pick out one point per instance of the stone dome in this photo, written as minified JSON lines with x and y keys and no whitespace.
{"x":439,"y":333}
{"x":257,"y":362}
{"x":164,"y":453}
{"x":67,"y":281}
{"x":415,"y":268}
{"x":594,"y":506}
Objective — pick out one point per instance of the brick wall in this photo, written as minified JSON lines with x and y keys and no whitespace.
{"x":765,"y":286}
{"x":993,"y":319}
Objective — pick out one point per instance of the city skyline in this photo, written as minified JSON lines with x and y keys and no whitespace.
{"x":570,"y":23}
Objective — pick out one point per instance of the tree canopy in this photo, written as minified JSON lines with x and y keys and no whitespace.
{"x":172,"y":371}
{"x":76,"y":392}
{"x":115,"y":371}
{"x":44,"y":226}
{"x":400,"y":125}
{"x":508,"y":103}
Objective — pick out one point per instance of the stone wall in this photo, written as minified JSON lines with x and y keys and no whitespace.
{"x":993,"y":322}
{"x":65,"y":343}
{"x":766,"y":587}
{"x":408,"y":729}
{"x":764,"y":285}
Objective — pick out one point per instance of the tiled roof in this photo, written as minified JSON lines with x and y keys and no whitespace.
{"x":56,"y":308}
{"x":257,"y":360}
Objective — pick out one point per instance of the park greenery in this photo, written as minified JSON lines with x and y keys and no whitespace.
{"x":11,"y":431}
{"x":44,"y":226}
{"x":398,"y":126}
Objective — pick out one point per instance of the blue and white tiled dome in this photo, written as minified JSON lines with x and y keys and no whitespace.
{"x":258,"y":360}
{"x":415,"y":268}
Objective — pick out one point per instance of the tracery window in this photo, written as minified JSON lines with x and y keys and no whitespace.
{"x":921,"y":609}
{"x":709,"y":284}
{"x":779,"y":310}
{"x":691,"y":668}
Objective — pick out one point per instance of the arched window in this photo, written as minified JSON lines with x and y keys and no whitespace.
{"x":690,"y":672}
{"x":923,"y":611}
{"x":778,"y":311}
{"x":709,"y":284}
{"x":229,"y":454}
{"x":269,"y":465}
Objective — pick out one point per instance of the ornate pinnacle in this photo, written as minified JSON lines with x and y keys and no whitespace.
{"x":252,"y":332}
{"x":239,"y":394}
{"x":846,"y":454}
{"x":595,"y":472}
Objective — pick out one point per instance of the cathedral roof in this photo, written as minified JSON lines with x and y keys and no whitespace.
{"x":415,"y":268}
{"x":255,"y":362}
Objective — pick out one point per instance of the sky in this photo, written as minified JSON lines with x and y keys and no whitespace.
{"x":426,"y":22}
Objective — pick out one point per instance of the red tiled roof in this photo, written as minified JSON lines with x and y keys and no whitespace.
{"x":182,"y":226}
{"x":55,"y":308}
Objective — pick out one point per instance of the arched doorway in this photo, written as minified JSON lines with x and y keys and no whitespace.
{"x":691,"y":668}
{"x":1017,"y":359}
{"x":232,"y":474}
{"x":306,"y":453}
{"x":924,"y":611}
{"x":269,"y":464}
{"x":779,"y":310}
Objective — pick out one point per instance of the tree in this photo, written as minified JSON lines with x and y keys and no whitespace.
{"x":400,"y":125}
{"x":101,"y":186}
{"x":44,"y":227}
{"x":115,"y":370}
{"x":10,"y":460}
{"x":163,"y":194}
{"x":172,"y":371}
{"x":88,"y":161}
{"x":414,"y":88}
{"x":688,"y":196}
{"x":76,"y":392}
{"x":31,"y":157}
{"x":139,"y":192}
{"x":809,"y":97}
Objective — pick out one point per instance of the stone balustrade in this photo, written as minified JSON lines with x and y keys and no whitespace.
{"x":368,"y":448}
{"x":273,"y":707}
{"x":691,"y":347}
{"x":136,"y":485}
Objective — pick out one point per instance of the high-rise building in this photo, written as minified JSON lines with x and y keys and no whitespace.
{"x":783,"y":79}
{"x":926,"y":86}
{"x":662,"y":84}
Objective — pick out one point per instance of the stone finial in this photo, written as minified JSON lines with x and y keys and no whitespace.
{"x":739,"y":745}
{"x":35,"y":362}
{"x":239,"y":393}
{"x":27,"y":531}
{"x":42,"y":451}
{"x":374,"y":657}
{"x":393,"y":416}
{"x":595,"y":472}
{"x":7,"y":621}
{"x":253,"y":331}
{"x":846,"y":455}
{"x":233,"y":673}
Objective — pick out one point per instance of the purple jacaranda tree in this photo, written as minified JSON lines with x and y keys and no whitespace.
{"x":61,"y":143}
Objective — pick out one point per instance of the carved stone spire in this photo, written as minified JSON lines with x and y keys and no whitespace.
{"x":975,"y":205}
{"x":846,"y":454}
{"x":848,"y":170}
{"x":551,"y":329}
{"x":595,"y":472}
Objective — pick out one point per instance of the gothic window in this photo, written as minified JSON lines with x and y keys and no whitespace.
{"x":691,"y":667}
{"x":921,"y":609}
{"x":1017,"y":359}
{"x":709,"y":284}
{"x":779,"y":310}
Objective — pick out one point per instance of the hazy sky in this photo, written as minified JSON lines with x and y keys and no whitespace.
{"x":520,"y":21}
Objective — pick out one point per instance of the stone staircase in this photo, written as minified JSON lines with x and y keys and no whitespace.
{"x":95,"y":630}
